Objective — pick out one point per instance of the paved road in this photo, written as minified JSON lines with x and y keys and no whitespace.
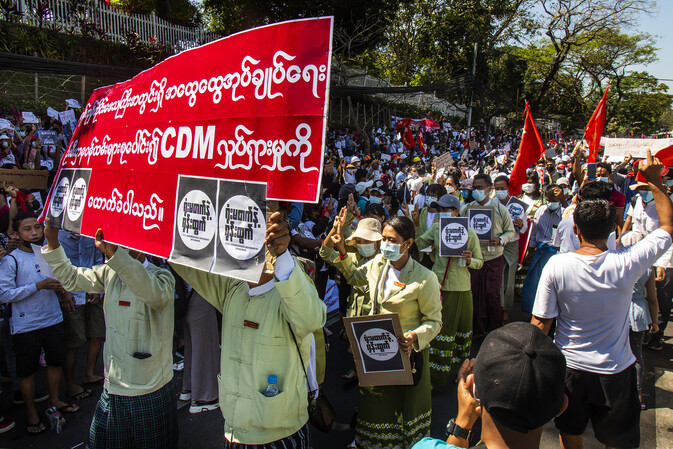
{"x":205,"y":430}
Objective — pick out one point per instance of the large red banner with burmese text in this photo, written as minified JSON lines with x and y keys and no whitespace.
{"x":250,"y":107}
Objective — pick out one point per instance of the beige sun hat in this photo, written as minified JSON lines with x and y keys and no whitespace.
{"x":368,"y":229}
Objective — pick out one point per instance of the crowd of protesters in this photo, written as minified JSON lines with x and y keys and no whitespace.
{"x":589,"y":258}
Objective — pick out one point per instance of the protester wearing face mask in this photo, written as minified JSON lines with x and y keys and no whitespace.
{"x":540,"y":249}
{"x":465,"y":192}
{"x":486,"y":282}
{"x":511,"y":250}
{"x":349,"y":174}
{"x":397,"y":416}
{"x":453,"y":343}
{"x":617,"y":198}
{"x":424,"y":219}
{"x":531,"y":193}
{"x":7,"y":150}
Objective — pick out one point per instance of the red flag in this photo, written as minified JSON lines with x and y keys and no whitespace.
{"x":531,"y":150}
{"x":421,"y":142}
{"x":666,"y":157}
{"x":408,"y":138}
{"x":594,"y":129}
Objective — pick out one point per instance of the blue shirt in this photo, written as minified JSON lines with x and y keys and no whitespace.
{"x":431,"y":443}
{"x":82,"y":252}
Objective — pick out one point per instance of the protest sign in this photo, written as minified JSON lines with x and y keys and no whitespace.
{"x":257,"y":115}
{"x":481,"y":220}
{"x":68,"y":117}
{"x":453,"y":236}
{"x":25,"y":179}
{"x":29,"y":118}
{"x":517,"y":208}
{"x":5,"y":124}
{"x":53,"y":113}
{"x":71,"y":102}
{"x":616,"y":149}
{"x":444,"y":160}
{"x":386,"y":157}
{"x":47,"y":137}
{"x":376,"y":351}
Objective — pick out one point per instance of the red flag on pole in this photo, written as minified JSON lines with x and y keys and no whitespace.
{"x":531,"y":150}
{"x":594,"y":129}
{"x":408,"y":138}
{"x":421,"y":142}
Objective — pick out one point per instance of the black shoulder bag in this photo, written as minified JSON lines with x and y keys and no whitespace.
{"x":321,"y":414}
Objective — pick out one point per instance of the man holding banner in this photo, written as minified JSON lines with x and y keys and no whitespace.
{"x":266,"y":331}
{"x":138,"y":407}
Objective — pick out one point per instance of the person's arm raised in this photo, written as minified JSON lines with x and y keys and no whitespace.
{"x":651,"y":172}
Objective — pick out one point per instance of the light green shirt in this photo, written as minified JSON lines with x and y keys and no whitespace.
{"x":257,"y":342}
{"x":138,"y":307}
{"x":503,"y":227}
{"x":457,"y":277}
{"x":358,"y":301}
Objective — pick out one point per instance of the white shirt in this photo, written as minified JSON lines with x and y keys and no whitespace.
{"x":392,"y":276}
{"x":566,"y":240}
{"x":590,"y":297}
{"x":645,"y":219}
{"x":350,"y":179}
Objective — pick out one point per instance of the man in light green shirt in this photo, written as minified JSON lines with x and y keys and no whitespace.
{"x":486,"y":281}
{"x":138,"y":405}
{"x":260,"y":323}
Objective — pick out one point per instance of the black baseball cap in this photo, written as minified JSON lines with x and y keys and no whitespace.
{"x":346,"y":190}
{"x":520,"y":377}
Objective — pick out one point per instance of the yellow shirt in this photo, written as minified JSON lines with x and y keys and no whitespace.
{"x":138,"y":307}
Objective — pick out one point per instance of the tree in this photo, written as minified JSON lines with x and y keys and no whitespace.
{"x":180,"y":12}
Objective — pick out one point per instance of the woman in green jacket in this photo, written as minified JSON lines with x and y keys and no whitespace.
{"x":396,"y":416}
{"x":452,"y":346}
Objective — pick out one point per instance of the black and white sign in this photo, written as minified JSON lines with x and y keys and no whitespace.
{"x":76,"y":200}
{"x":240,"y":252}
{"x":481,"y":220}
{"x":47,"y":137}
{"x":377,"y":354}
{"x":220,"y":226}
{"x":453,"y":236}
{"x":517,"y":208}
{"x":59,"y":200}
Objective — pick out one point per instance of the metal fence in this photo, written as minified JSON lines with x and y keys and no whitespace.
{"x":111,"y":23}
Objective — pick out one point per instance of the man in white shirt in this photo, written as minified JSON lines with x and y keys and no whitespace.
{"x":589,"y":293}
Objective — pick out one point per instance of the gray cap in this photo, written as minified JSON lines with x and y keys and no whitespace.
{"x":448,"y":200}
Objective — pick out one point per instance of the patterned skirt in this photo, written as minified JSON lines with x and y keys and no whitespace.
{"x":148,"y":421}
{"x":394,"y":417}
{"x":453,"y":343}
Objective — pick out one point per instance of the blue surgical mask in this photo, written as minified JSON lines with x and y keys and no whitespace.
{"x":553,"y":206}
{"x":465,"y":193}
{"x":375,"y":200}
{"x":366,"y":249}
{"x":501,"y":194}
{"x":391,"y":251}
{"x":669,"y":182}
{"x":646,"y":195}
{"x":445,"y":215}
{"x":603,"y":179}
{"x":429,"y":200}
{"x":478,"y":195}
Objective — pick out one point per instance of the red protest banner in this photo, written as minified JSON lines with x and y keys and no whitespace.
{"x":248,"y":107}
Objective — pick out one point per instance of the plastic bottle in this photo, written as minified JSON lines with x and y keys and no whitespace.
{"x":271,"y":390}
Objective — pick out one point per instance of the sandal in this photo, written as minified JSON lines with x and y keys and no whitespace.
{"x":69,"y":408}
{"x":85,"y":393}
{"x":36,"y":429}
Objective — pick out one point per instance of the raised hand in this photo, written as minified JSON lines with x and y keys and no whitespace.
{"x":109,"y":249}
{"x":51,"y":234}
{"x":277,"y":237}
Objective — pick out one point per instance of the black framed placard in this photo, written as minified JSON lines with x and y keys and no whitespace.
{"x":378,"y":358}
{"x":453,"y":236}
{"x":517,"y":208}
{"x":481,"y":220}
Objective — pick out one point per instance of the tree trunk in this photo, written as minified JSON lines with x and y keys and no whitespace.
{"x":365,"y":137}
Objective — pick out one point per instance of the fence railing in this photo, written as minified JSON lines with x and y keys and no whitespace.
{"x":95,"y":17}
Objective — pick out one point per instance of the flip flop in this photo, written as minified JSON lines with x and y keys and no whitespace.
{"x":98,"y":382}
{"x":39,"y":427}
{"x":81,"y":395}
{"x":69,"y":408}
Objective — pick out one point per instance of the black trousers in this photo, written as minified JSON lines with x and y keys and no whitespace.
{"x":665,"y":298}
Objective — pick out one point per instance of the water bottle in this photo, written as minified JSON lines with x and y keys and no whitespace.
{"x":271,"y":390}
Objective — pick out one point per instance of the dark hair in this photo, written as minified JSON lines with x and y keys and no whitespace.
{"x":18,"y":218}
{"x":604,"y":165}
{"x":484,"y":177}
{"x":503,"y":178}
{"x":595,"y":219}
{"x":374,"y":209}
{"x":435,"y":189}
{"x":595,"y":190}
{"x":406,"y":228}
{"x":455,"y":174}
{"x":360,"y":174}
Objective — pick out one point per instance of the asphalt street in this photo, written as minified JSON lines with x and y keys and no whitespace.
{"x":205,"y":430}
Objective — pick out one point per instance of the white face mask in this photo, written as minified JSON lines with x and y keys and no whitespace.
{"x":450,"y":189}
{"x":501,"y":194}
{"x":528,"y":187}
